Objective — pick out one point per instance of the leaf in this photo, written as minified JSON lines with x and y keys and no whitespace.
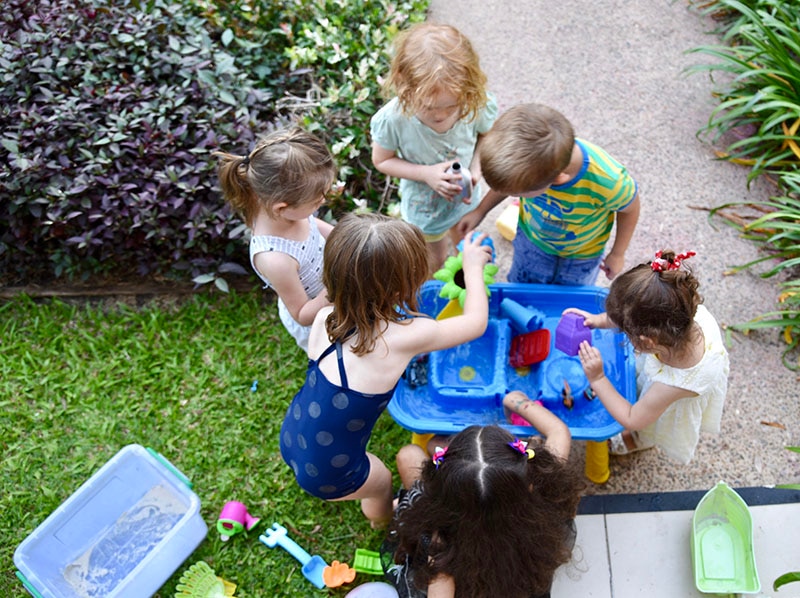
{"x":11,"y":145}
{"x":232,"y":268}
{"x":227,"y":97}
{"x":221,"y":284}
{"x":203,"y":278}
{"x":786,"y":578}
{"x":227,"y":37}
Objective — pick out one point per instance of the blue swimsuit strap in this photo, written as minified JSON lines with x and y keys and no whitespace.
{"x":340,"y":360}
{"x":342,"y":374}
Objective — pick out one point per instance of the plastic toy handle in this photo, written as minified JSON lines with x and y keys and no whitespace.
{"x":277,"y":535}
{"x":27,"y":585}
{"x":176,"y":472}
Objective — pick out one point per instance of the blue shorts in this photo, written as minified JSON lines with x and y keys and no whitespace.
{"x":531,"y":264}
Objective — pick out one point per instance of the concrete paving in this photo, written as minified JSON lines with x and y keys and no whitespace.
{"x":616,"y":70}
{"x":640,"y":545}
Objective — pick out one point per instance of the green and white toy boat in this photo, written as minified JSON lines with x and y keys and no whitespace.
{"x":722,"y":544}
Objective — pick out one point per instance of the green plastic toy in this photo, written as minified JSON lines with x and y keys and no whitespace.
{"x":722,"y":544}
{"x":368,"y":561}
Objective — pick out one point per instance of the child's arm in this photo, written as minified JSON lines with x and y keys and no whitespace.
{"x":471,"y":220}
{"x":557,"y":435}
{"x":591,"y":320}
{"x":282,"y":272}
{"x":434,"y":175}
{"x":424,"y":334}
{"x":324,"y":228}
{"x":475,"y":166}
{"x":641,"y":414}
{"x":614,"y":261}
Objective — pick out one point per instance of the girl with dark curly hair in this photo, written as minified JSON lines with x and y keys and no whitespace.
{"x":682,"y":367}
{"x":489,"y":515}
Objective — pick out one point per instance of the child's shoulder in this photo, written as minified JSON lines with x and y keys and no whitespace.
{"x":389,"y":111}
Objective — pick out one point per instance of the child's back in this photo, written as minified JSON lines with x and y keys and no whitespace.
{"x":488,"y":517}
{"x":359,"y":348}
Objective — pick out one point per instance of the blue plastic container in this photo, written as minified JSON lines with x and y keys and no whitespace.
{"x":122,"y":534}
{"x":467,"y":384}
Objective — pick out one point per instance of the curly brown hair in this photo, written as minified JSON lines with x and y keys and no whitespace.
{"x":499,"y":524}
{"x":658,"y":305}
{"x":373,"y":269}
{"x":289,"y":166}
{"x":429,"y":57}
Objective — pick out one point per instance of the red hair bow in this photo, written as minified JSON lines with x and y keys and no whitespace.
{"x":659,"y":264}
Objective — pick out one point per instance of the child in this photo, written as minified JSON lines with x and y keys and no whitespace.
{"x":440,"y":111}
{"x":374,"y":268}
{"x":277,"y":188}
{"x":487,"y":516}
{"x":571,"y":194}
{"x":682,"y":370}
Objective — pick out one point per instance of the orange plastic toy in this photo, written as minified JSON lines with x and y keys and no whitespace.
{"x":337,"y":574}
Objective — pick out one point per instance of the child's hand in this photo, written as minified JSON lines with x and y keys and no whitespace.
{"x":592,"y":362}
{"x":589,"y":320}
{"x":612,"y":265}
{"x":444,"y":183}
{"x":475,"y":255}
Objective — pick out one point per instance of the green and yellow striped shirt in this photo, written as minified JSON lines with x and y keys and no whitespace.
{"x":574,"y":220}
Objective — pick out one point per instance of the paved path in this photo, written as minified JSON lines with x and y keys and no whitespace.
{"x":615,"y":69}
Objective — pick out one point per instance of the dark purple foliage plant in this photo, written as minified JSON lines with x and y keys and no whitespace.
{"x":109,"y":111}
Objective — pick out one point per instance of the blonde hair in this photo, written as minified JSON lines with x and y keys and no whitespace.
{"x":373,"y":265}
{"x":288,"y":166}
{"x":528,"y":146}
{"x":429,"y":58}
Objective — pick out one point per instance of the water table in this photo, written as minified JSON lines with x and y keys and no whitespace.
{"x":465,"y":385}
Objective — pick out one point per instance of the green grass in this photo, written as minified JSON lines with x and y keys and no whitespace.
{"x":79,"y":382}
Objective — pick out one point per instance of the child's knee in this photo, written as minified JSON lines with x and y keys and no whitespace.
{"x":411,"y":455}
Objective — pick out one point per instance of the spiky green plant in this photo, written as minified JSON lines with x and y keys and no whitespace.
{"x":760,"y":97}
{"x":777,"y":230}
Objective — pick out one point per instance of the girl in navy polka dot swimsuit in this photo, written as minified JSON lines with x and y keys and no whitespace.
{"x":373,"y":269}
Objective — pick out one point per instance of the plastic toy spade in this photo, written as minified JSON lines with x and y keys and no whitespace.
{"x":313,"y":566}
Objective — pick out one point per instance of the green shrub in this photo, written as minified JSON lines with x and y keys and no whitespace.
{"x":336,"y":53}
{"x":776,"y":228}
{"x":758,"y":117}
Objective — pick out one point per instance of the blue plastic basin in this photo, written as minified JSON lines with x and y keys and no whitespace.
{"x":466,"y":384}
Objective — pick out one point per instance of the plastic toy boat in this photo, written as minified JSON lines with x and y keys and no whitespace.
{"x":465,"y":385}
{"x":722,"y":544}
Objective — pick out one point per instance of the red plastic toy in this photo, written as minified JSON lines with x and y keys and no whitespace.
{"x":529,"y":348}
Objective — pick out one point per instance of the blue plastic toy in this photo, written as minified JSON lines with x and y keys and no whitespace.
{"x":523,"y":319}
{"x":465,"y":384}
{"x":312,"y":565}
{"x":487,"y":242}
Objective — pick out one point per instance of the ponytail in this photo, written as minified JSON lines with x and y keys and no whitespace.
{"x":236,"y":187}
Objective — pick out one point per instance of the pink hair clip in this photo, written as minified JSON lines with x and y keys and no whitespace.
{"x":522,"y":447}
{"x":438,"y":456}
{"x":659,"y":264}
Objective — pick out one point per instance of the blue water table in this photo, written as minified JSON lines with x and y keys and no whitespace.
{"x":465,"y":385}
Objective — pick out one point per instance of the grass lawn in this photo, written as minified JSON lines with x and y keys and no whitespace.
{"x":79,"y":382}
